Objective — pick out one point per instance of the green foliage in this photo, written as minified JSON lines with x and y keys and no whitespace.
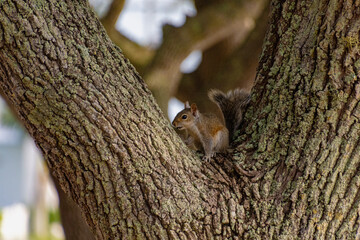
{"x":8,"y":119}
{"x":35,"y":237}
{"x":54,"y":216}
{"x":6,"y":116}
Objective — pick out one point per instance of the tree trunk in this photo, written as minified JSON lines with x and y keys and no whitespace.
{"x":301,"y":141}
{"x":293,"y":173}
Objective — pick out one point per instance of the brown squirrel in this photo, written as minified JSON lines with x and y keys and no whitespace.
{"x":206,"y":131}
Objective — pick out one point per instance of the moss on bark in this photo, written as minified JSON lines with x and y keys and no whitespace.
{"x":293,"y":173}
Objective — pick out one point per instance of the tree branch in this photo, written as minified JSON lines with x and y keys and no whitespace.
{"x":139,"y":56}
{"x":111,"y":17}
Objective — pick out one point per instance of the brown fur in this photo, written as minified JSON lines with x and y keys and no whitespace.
{"x":206,"y":132}
{"x":232,"y":105}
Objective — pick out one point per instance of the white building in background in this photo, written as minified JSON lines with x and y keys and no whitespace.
{"x":19,"y":161}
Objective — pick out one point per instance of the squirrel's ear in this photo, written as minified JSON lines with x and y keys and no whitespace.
{"x":194,"y":109}
{"x":187,"y":105}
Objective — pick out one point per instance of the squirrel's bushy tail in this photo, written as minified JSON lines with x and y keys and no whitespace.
{"x":232,"y":106}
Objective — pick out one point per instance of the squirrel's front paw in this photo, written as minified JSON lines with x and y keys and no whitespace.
{"x":207,"y":157}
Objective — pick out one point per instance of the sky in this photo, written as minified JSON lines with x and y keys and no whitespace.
{"x":142,"y":20}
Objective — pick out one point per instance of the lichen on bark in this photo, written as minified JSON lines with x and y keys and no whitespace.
{"x":293,"y":172}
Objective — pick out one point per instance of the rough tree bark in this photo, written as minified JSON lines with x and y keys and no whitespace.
{"x":293,"y":173}
{"x":302,"y":129}
{"x":87,"y":108}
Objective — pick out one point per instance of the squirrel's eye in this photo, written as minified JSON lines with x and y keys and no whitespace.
{"x":184,"y":117}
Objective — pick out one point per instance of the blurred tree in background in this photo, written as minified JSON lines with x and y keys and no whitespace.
{"x":228,"y":33}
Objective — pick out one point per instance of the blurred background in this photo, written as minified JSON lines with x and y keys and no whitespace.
{"x":181,"y":48}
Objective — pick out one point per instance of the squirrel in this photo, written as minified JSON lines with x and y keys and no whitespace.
{"x":206,"y":131}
